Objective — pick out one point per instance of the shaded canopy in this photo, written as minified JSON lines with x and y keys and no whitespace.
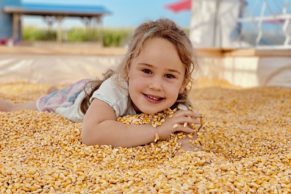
{"x":57,"y":10}
{"x":17,"y":10}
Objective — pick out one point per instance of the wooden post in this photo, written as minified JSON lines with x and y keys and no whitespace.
{"x":16,"y":27}
{"x":49,"y":20}
{"x":59,"y":29}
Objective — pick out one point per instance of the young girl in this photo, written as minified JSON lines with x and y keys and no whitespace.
{"x":153,"y":76}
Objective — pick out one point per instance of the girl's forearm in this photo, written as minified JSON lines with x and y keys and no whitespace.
{"x":117,"y":134}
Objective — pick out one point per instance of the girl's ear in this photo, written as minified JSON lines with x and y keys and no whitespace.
{"x":182,"y":89}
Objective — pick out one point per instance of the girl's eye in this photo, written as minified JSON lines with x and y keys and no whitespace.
{"x":147,"y":71}
{"x":170,"y":76}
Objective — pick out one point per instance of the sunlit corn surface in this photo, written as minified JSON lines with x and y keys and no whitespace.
{"x":244,"y":147}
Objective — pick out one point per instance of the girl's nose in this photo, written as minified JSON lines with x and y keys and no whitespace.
{"x":155,"y":84}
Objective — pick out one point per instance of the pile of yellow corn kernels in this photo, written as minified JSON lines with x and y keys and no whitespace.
{"x":243,"y":147}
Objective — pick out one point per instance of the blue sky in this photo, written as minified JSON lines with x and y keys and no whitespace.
{"x":125,"y":13}
{"x":130,"y":13}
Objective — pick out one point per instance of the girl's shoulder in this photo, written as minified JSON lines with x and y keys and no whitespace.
{"x":113,"y":91}
{"x":115,"y":82}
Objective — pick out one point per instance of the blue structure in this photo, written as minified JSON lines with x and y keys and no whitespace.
{"x":11,"y":12}
{"x":71,"y":10}
{"x":6,"y":23}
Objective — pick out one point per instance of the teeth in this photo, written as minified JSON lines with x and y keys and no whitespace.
{"x":152,"y":97}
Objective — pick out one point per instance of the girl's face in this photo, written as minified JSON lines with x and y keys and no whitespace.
{"x":156,"y":76}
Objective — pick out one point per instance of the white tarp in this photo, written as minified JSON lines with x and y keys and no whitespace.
{"x":53,"y":69}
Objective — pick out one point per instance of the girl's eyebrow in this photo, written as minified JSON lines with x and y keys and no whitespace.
{"x":174,"y":71}
{"x":151,"y":66}
{"x":146,"y":64}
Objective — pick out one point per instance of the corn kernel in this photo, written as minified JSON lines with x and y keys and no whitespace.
{"x":245,"y":151}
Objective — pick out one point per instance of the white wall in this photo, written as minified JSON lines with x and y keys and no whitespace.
{"x":247,"y":71}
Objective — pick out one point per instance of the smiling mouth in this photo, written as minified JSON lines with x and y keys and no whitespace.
{"x":153,"y":99}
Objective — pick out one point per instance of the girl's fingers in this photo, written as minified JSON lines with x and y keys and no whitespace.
{"x":186,"y":117}
{"x":179,"y":127}
{"x":183,"y":113}
{"x":187,"y":130}
{"x":187,"y":113}
{"x":183,"y":120}
{"x":197,"y":121}
{"x":181,"y":123}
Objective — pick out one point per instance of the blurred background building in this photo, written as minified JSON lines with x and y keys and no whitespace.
{"x":244,"y":42}
{"x":241,"y":23}
{"x":13,"y":11}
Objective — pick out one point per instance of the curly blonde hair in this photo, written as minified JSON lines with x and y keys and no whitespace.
{"x":161,"y":28}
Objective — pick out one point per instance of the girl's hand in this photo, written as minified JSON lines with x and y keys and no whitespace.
{"x":180,"y":122}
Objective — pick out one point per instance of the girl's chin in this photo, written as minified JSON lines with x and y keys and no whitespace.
{"x":149,"y":109}
{"x":146,"y":111}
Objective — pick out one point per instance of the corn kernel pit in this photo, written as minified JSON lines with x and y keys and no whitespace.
{"x":244,"y":146}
